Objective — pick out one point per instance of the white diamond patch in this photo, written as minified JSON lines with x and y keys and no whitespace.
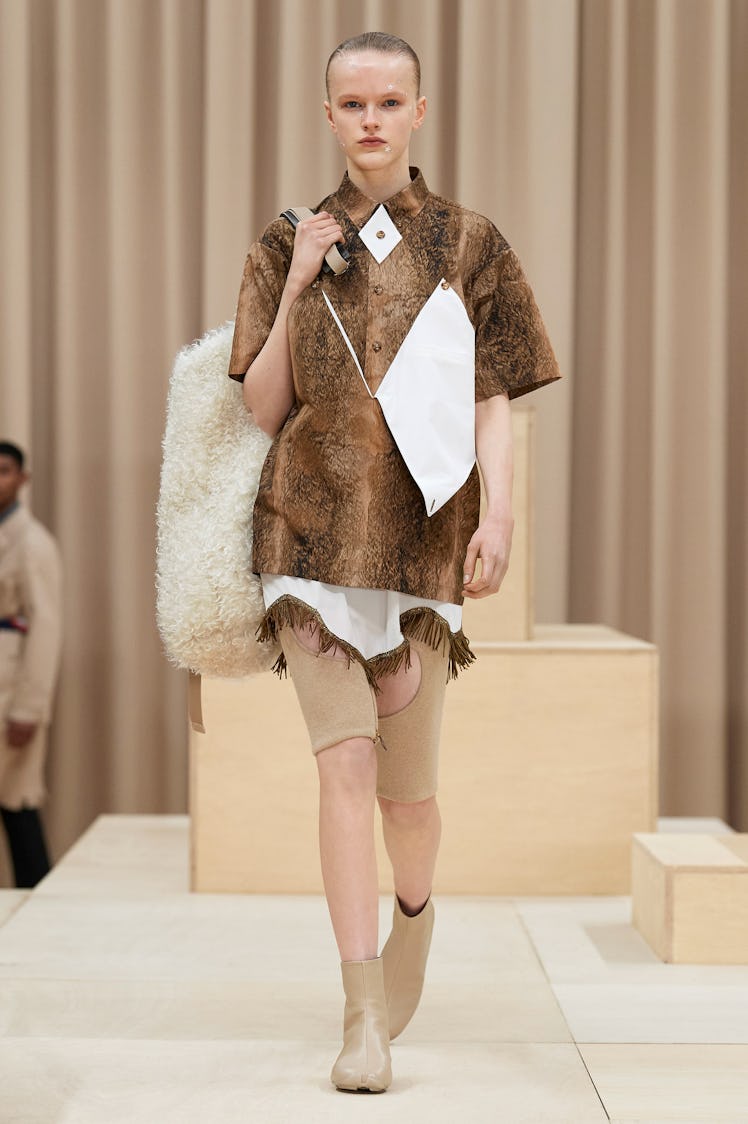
{"x":379,"y":234}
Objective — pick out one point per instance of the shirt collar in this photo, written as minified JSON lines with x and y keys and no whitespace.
{"x":401,"y":206}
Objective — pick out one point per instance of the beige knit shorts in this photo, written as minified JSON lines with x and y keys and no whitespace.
{"x":338,"y":702}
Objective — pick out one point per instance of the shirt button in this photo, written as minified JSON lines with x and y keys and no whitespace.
{"x":377,"y":289}
{"x":380,"y":234}
{"x":445,"y":284}
{"x":376,"y":346}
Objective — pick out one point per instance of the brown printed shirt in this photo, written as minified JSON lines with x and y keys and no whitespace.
{"x":336,"y":500}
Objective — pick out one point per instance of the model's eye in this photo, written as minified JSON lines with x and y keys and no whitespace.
{"x":392,"y":101}
{"x":347,"y":103}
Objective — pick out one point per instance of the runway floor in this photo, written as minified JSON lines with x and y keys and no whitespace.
{"x":126,"y":999}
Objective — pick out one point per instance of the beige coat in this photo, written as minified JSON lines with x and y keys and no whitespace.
{"x":30,"y":586}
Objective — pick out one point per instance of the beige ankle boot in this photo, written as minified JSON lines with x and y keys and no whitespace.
{"x":404,"y":956}
{"x":364,"y":1062}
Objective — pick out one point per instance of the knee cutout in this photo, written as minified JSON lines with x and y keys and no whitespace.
{"x":400,"y":690}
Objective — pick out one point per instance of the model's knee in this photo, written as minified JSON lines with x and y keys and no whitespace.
{"x":409,"y":815}
{"x":350,"y":764}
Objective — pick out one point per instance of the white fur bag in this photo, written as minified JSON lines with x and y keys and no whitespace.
{"x":208,"y":601}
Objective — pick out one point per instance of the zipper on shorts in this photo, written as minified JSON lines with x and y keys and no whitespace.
{"x":380,"y":739}
{"x":377,"y":737}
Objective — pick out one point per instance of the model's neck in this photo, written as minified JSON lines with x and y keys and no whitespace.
{"x":383,"y":183}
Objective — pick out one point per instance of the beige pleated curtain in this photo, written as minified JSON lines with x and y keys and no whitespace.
{"x":145,"y":143}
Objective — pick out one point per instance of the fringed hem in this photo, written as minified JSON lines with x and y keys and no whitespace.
{"x":419,"y":623}
{"x":424,"y":623}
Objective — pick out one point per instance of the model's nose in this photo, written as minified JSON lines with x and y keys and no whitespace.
{"x":369,"y":116}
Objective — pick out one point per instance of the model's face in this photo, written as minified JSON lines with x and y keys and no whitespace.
{"x":373,"y":107}
{"x":11,"y":479}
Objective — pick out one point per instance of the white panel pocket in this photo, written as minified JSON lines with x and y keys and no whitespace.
{"x":428,"y":397}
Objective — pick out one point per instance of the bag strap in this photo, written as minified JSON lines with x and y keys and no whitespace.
{"x":336,"y":260}
{"x":195,"y":701}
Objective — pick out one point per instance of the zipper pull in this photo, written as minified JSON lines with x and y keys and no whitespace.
{"x":379,"y":739}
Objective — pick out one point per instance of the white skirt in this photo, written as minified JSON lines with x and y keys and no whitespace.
{"x":368,"y":619}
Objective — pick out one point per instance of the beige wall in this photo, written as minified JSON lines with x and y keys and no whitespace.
{"x":144,"y":143}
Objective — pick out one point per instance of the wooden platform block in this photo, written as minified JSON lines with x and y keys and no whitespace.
{"x":690,"y":896}
{"x":510,"y":614}
{"x":548,"y":765}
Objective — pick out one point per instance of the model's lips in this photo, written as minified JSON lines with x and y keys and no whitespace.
{"x":371,"y":140}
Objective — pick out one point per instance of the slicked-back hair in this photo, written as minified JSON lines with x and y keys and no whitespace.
{"x":375,"y":41}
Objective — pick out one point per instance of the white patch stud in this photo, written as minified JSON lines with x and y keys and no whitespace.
{"x":379,"y":234}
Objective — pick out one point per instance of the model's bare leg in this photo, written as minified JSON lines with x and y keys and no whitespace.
{"x":348,"y":776}
{"x":348,"y":783}
{"x":412,"y":833}
{"x":348,"y":773}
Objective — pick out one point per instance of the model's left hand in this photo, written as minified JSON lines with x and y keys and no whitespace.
{"x":19,"y":734}
{"x":492,"y":543}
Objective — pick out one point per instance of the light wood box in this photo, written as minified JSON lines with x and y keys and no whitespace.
{"x":690,"y":896}
{"x":548,"y":764}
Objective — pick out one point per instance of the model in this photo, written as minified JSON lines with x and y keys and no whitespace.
{"x":30,"y":646}
{"x":380,"y":385}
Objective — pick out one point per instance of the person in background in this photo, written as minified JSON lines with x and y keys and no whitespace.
{"x":30,"y":644}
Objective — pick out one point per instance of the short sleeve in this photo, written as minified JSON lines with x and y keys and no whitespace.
{"x":513,"y":354}
{"x":260,"y":293}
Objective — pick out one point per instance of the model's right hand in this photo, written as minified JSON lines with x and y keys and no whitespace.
{"x":313,"y":238}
